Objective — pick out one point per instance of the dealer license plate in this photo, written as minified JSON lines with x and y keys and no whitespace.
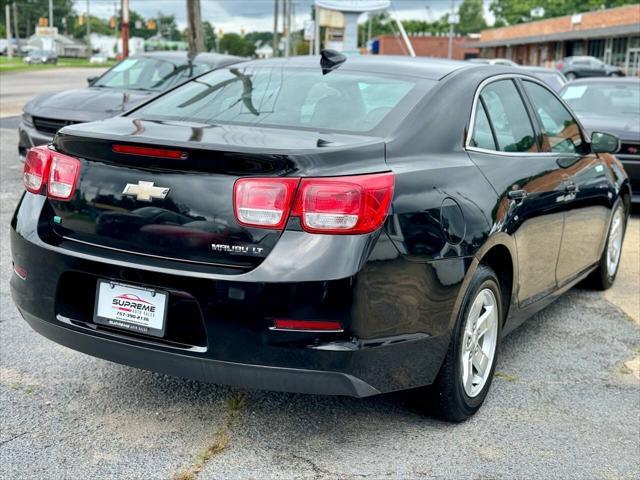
{"x":137,"y":309}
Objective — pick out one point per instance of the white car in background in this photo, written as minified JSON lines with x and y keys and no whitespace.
{"x":99,"y":58}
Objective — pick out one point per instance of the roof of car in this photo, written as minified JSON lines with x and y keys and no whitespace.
{"x":178,"y":57}
{"x":531,"y":68}
{"x":433,"y":68}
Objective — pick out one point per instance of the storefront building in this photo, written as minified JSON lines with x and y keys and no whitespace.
{"x":612,"y":35}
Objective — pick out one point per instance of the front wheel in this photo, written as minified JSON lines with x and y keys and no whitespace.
{"x":571,"y":76}
{"x":465,"y":377}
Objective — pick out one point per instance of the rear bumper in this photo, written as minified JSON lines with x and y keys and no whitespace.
{"x":204,"y":369}
{"x":394,"y":337}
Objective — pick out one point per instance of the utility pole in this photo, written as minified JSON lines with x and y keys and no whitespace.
{"x":316,"y":35}
{"x":7,"y":17}
{"x":88,"y":24}
{"x":276,"y":9}
{"x":16,"y":32}
{"x":450,"y":54}
{"x":285,"y":23}
{"x":51,"y":13}
{"x":194,"y":23}
{"x":125,"y":28}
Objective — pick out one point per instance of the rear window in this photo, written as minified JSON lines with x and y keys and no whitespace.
{"x":606,"y":98}
{"x":301,"y":98}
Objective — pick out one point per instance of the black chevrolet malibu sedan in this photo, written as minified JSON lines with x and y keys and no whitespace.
{"x":374,"y":225}
{"x":125,"y":85}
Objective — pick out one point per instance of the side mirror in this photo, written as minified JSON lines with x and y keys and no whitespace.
{"x":604,"y":143}
{"x":91,"y":79}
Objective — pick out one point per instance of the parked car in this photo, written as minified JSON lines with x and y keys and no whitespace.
{"x":494,"y":61}
{"x":34,"y":57}
{"x":611,"y":105}
{"x":99,"y":58}
{"x":550,"y":76}
{"x":578,"y":67}
{"x":371,"y":224}
{"x":123,"y":86}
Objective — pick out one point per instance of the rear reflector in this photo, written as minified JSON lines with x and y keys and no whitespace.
{"x":59,"y":172}
{"x":150,"y":152}
{"x":307,"y":325}
{"x":36,"y":168}
{"x":263,"y":202}
{"x":336,"y":205}
{"x":20,"y":272}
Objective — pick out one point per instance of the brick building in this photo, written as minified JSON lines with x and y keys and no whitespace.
{"x":612,"y":35}
{"x":425,"y":46}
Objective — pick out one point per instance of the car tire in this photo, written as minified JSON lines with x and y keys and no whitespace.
{"x":570,"y":76}
{"x":605,"y":275}
{"x":453,"y":396}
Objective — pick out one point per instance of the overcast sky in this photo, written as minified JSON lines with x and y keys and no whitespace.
{"x":256,"y":15}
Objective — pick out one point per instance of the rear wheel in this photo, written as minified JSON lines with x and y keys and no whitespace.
{"x":605,"y":275}
{"x":570,"y":76}
{"x":468,"y":368}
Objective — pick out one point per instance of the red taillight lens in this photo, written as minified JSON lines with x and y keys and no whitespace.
{"x":36,"y":168}
{"x":264,"y":202}
{"x":63,"y":176}
{"x":344,"y":205}
{"x":307,"y":325}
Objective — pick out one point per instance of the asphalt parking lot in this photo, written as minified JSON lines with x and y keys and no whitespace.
{"x":565,"y":403}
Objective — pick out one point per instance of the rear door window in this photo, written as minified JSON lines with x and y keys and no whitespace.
{"x":482,"y":134}
{"x":560,"y":130}
{"x":508,"y":115}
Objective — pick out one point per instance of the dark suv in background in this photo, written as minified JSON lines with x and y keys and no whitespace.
{"x":577,"y":67}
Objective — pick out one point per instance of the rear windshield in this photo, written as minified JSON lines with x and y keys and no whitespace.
{"x":301,"y":98}
{"x":606,"y":98}
{"x":552,"y":79}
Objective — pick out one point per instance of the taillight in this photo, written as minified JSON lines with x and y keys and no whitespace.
{"x":63,"y":176}
{"x":36,"y":168}
{"x":150,"y":152}
{"x":58,"y":171}
{"x":336,"y":205}
{"x":353,"y":205}
{"x":264,"y":202}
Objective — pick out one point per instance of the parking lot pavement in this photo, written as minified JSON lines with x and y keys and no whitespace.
{"x":17,"y":88}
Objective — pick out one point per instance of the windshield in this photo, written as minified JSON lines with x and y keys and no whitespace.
{"x":148,"y":74}
{"x":604,"y":98}
{"x":300,"y":98}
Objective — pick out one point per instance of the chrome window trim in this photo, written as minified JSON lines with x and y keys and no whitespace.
{"x":513,"y":76}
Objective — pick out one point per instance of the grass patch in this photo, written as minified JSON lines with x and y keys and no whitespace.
{"x":17,"y":64}
{"x":220,"y":441}
{"x":505,"y":376}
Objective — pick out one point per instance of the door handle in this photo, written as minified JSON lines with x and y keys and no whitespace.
{"x":517,"y":195}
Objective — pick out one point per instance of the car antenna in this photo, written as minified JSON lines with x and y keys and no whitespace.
{"x":330,"y":60}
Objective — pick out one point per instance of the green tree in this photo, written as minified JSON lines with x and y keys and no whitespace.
{"x":29,"y":11}
{"x":234,"y":44}
{"x":511,"y":12}
{"x":167,"y":27}
{"x":138,"y":26}
{"x":471,"y":17}
{"x":98,"y":25}
{"x":209,"y":36}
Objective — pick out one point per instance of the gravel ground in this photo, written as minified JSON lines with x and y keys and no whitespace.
{"x":562,"y":406}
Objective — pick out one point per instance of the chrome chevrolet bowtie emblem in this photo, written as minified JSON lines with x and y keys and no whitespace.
{"x":145,"y":191}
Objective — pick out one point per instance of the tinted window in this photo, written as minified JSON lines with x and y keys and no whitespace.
{"x":552,"y":79}
{"x":509,"y":117}
{"x":304,"y":98}
{"x":482,"y":136}
{"x":560,"y":129}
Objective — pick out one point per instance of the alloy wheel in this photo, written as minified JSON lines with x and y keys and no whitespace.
{"x":479,"y":342}
{"x":614,"y":245}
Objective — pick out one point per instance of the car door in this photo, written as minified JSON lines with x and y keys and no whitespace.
{"x":504,"y":145}
{"x":588,"y":187}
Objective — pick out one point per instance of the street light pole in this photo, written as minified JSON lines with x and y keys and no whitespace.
{"x":274,"y":45}
{"x":7,"y":17}
{"x":51,"y":13}
{"x":450,"y":54}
